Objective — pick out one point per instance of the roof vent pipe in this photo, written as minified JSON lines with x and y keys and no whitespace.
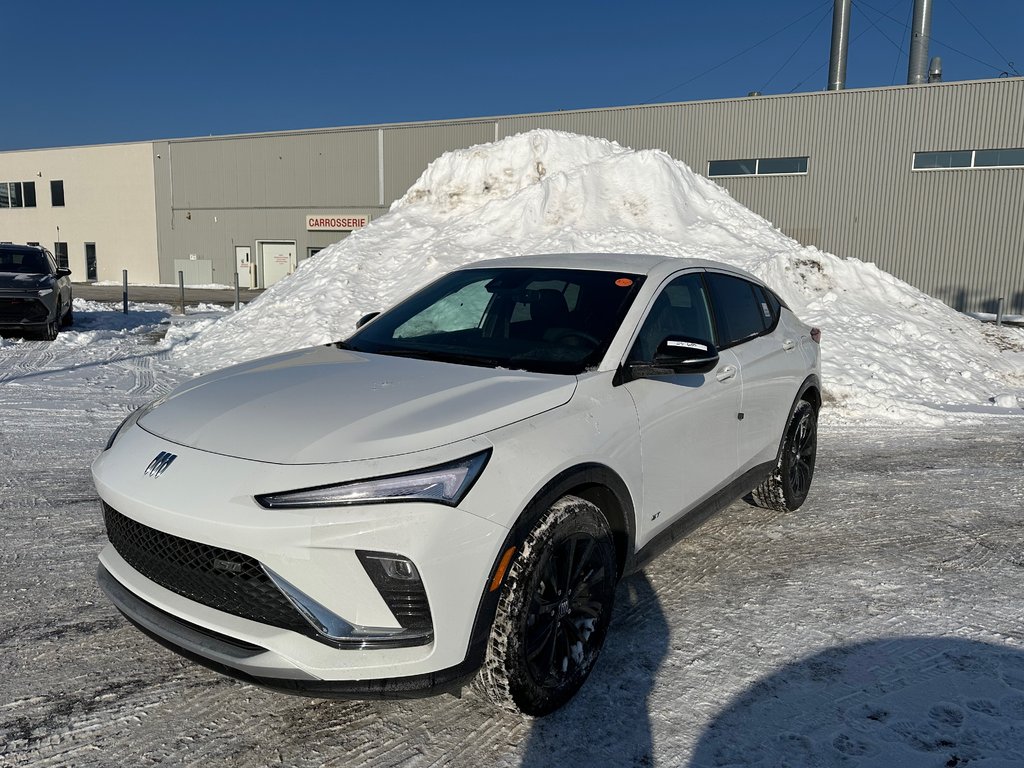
{"x":917,"y":71}
{"x":840,"y":45}
{"x":935,"y":70}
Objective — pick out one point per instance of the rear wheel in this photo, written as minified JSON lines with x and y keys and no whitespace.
{"x":553,"y":612}
{"x":787,"y":486}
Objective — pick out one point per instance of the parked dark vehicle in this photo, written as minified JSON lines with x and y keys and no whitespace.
{"x":35,"y":294}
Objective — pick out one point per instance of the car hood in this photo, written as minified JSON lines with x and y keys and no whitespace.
{"x":18,"y":281}
{"x":326,"y":404}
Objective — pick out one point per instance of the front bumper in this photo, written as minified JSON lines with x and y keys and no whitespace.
{"x":26,"y":311}
{"x":208,"y":498}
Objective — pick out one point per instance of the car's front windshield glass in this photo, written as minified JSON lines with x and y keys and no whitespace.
{"x":23,"y":262}
{"x":546,"y":320}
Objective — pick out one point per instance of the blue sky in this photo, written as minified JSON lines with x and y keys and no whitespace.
{"x":88,"y":73}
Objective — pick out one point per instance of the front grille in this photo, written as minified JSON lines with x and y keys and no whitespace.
{"x":222,"y":579}
{"x":19,"y":310}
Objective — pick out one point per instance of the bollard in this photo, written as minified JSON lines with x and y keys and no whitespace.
{"x":236,"y":292}
{"x":124,"y":289}
{"x":999,"y":311}
{"x":181,"y":291}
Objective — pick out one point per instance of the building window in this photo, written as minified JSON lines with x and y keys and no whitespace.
{"x":969,"y":158}
{"x":17,"y":194}
{"x":57,"y":193}
{"x":60,"y":250}
{"x":761,"y":166}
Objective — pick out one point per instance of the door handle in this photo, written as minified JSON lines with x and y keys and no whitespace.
{"x":726,"y":373}
{"x":788,"y":344}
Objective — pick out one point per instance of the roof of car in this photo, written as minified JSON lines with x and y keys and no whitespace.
{"x":634,"y":263}
{"x":19,"y":247}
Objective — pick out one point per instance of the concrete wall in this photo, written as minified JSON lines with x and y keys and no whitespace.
{"x":110,"y":200}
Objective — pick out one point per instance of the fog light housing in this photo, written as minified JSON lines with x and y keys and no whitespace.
{"x":397,"y":579}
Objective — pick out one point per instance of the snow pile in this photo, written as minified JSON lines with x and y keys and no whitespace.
{"x":887,"y":347}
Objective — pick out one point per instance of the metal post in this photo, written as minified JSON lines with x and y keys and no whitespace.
{"x":840,"y":45}
{"x":917,"y":66}
{"x":124,"y":289}
{"x":999,"y":311}
{"x":181,"y":291}
{"x":236,"y":291}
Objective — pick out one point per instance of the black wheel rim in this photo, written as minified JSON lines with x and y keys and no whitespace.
{"x":802,"y":452}
{"x":568,"y":612}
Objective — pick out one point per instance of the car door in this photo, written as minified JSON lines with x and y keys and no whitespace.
{"x":769,"y":367}
{"x":687,"y":422}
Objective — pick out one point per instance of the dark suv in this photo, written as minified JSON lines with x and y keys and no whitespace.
{"x":35,"y":294}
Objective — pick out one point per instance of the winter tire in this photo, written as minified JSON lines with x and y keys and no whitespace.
{"x":67,"y":319}
{"x":553,"y":612}
{"x":786,"y":488}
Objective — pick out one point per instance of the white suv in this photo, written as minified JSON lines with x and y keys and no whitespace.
{"x":457,"y":488}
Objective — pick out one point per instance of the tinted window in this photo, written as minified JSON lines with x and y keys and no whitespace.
{"x":547,"y":320}
{"x":737,"y":309}
{"x":30,"y":194}
{"x":732,"y":167}
{"x":782,"y":165}
{"x":57,"y":193}
{"x":998,"y":157}
{"x":958,"y":159}
{"x":681,"y":309}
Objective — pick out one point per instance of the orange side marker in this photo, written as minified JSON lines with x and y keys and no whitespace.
{"x":502,"y":567}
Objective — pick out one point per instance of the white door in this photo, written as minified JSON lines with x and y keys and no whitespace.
{"x":688,"y":421}
{"x":277,"y":260}
{"x":243,"y":265}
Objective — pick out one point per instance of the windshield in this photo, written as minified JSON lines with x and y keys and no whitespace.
{"x":23,"y":262}
{"x":545,"y":320}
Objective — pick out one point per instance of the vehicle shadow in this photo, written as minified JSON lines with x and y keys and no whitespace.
{"x":911,"y":701}
{"x":615,"y":697}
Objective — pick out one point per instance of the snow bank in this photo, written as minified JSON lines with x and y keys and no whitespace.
{"x":887,"y":348}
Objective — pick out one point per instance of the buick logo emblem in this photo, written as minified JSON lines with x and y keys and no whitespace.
{"x":160,"y":464}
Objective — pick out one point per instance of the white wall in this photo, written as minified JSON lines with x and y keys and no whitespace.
{"x":109,"y":200}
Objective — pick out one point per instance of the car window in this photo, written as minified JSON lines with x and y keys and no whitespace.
{"x":22,"y":262}
{"x":769,"y":308}
{"x":543,"y":319}
{"x":681,"y":309}
{"x":458,"y":311}
{"x":738,"y":312}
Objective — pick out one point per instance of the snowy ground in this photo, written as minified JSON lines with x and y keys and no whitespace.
{"x":881,"y":625}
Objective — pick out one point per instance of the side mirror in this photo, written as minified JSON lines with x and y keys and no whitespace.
{"x":675,"y":355}
{"x":63,"y":272}
{"x":365,"y":319}
{"x":683,"y":354}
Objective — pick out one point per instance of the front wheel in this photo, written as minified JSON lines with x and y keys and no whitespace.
{"x":553,"y":612}
{"x":786,"y":488}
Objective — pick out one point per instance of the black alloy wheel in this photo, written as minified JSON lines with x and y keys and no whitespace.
{"x":786,"y":488}
{"x":554,"y":610}
{"x":802,"y":453}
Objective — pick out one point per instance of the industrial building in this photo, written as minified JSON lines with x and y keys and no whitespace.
{"x":927,"y":181}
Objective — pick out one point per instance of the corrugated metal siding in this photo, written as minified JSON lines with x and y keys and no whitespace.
{"x":958,"y":234}
{"x":409,"y":150}
{"x":337,"y":168}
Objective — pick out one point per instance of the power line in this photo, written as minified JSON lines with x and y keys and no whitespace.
{"x":820,"y":67}
{"x":935,"y":39}
{"x":896,"y":45}
{"x":982,"y":36}
{"x":906,"y":31}
{"x":738,"y":55}
{"x":796,"y":50}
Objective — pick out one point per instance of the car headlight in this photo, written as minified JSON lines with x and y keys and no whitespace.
{"x":444,"y":484}
{"x":130,"y":419}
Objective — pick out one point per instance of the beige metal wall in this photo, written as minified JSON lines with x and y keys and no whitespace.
{"x":957,"y":234}
{"x":109,"y":200}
